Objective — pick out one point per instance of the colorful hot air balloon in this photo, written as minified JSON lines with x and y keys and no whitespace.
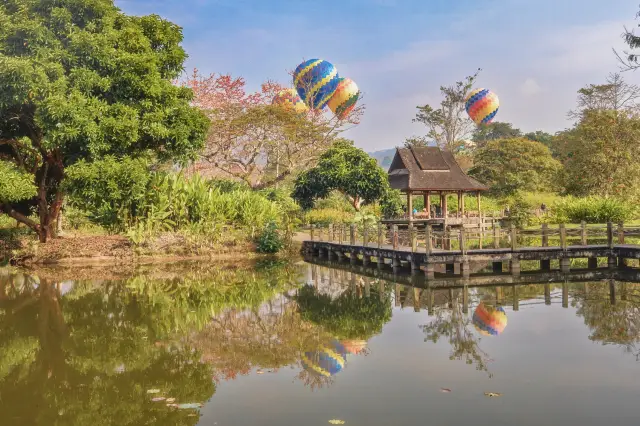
{"x":354,"y":347}
{"x":482,"y":105}
{"x":327,"y":361}
{"x":489,"y":320}
{"x":290,"y":100}
{"x":315,"y":80}
{"x":344,"y":99}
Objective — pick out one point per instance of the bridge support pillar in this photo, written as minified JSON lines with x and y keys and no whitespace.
{"x":380,"y":262}
{"x":415,"y":265}
{"x":612,"y":261}
{"x":353,"y":257}
{"x":622,"y":262}
{"x":450,"y":268}
{"x":430,"y":271}
{"x":365,"y":259}
{"x":497,"y":266}
{"x":565,"y":264}
{"x":593,"y":262}
{"x":395,"y":262}
{"x":545,"y":264}
{"x":320,"y":252}
{"x":515,"y":266}
{"x":465,"y":269}
{"x":339,"y":256}
{"x":329,"y":254}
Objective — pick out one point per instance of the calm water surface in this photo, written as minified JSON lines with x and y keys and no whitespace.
{"x":281,"y":344}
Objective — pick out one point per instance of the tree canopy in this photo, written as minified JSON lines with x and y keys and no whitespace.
{"x":344,"y":168}
{"x":79,"y":80}
{"x":510,"y":165}
{"x":494,"y":130}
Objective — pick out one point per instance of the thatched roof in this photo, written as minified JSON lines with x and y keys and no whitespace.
{"x":429,"y":168}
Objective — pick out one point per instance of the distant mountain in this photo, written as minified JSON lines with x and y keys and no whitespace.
{"x":384,"y":157}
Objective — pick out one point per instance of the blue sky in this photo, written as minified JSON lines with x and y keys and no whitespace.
{"x":534,"y":54}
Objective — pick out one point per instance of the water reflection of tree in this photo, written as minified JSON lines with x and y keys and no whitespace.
{"x":610,"y":323}
{"x":90,"y":356}
{"x":456,"y":326}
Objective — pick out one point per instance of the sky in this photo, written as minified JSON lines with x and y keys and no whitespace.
{"x":534,"y":54}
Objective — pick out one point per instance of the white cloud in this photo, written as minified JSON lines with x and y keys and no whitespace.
{"x":530,"y":87}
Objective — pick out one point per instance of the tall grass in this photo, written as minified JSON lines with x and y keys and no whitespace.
{"x":592,"y":210}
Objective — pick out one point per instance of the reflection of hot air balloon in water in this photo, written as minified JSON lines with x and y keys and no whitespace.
{"x":316,"y":81}
{"x":355,"y":347}
{"x":327,"y":361}
{"x":290,"y":100}
{"x":488,"y":320}
{"x":482,"y":105}
{"x":344,"y":99}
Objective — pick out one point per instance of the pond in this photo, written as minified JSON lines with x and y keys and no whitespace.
{"x":276,"y":343}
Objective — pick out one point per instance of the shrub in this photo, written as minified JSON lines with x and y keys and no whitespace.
{"x":269,"y":240}
{"x":519,"y":210}
{"x":592,"y":209}
{"x":324,"y":217}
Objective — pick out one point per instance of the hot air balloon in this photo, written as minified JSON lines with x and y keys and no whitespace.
{"x":344,"y":99}
{"x":482,"y":105}
{"x":488,"y":320}
{"x":327,"y":361}
{"x":315,"y":80}
{"x":354,"y":347}
{"x":289,"y":99}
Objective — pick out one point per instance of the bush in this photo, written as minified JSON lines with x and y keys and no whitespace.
{"x":324,"y":217}
{"x":519,"y":210}
{"x":592,"y":210}
{"x":391,"y":204}
{"x":269,"y":241}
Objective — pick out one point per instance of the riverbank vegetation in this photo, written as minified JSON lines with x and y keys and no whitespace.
{"x":162,"y":164}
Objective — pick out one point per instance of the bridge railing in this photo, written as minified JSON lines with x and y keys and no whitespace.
{"x":420,"y":237}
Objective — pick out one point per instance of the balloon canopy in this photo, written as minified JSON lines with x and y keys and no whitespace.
{"x":316,"y":81}
{"x":327,"y":361}
{"x":482,"y":105}
{"x":354,"y":347}
{"x":290,"y":100}
{"x":344,"y":99}
{"x":488,"y":320}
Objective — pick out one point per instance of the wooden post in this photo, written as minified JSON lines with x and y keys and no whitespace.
{"x":380,"y":234}
{"x":563,"y":236}
{"x":478,"y":200}
{"x":330,"y":233}
{"x":311,"y":226}
{"x":463,"y":243}
{"x":352,"y":236}
{"x":620,"y":233}
{"x":461,"y":205}
{"x":442,"y":204}
{"x":395,"y":237}
{"x":365,"y":234}
{"x":459,"y":212}
{"x":410,"y":205}
{"x":583,"y":233}
{"x":412,"y":238}
{"x":514,"y":238}
{"x":427,"y":203}
{"x":610,"y":235}
{"x":496,"y":236}
{"x":427,"y":233}
{"x":545,"y":235}
{"x":320,"y":233}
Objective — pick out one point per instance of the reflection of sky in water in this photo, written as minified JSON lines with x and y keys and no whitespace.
{"x":544,"y":364}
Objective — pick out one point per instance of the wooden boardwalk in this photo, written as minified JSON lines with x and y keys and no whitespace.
{"x":389,"y":248}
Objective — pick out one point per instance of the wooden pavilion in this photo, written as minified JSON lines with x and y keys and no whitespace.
{"x":430,"y":171}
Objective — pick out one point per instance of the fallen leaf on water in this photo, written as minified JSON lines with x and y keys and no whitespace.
{"x":336,"y":422}
{"x":159,"y":398}
{"x":492,"y":394}
{"x":445,"y":390}
{"x":153,"y":391}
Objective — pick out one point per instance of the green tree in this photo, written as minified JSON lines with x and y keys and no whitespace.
{"x":614,"y":95}
{"x":14,"y":184}
{"x":81,"y":80}
{"x":511,"y":165}
{"x":494,"y":130}
{"x":416,"y":141}
{"x":449,"y":123}
{"x":629,"y":59}
{"x":600,"y":155}
{"x":344,"y":168}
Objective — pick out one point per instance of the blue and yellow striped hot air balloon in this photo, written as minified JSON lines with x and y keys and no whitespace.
{"x":482,"y":105}
{"x":327,"y":361}
{"x":344,"y":99}
{"x":316,"y":81}
{"x":290,"y":100}
{"x":488,"y":320}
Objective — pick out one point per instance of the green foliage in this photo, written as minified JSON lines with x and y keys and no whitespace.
{"x":324,"y":217}
{"x":392,"y":204}
{"x":592,"y":210}
{"x":80,"y":80}
{"x":269,"y":241}
{"x":519,"y":210}
{"x":228,"y":185}
{"x":511,"y":165}
{"x":494,"y":130}
{"x":600,"y":155}
{"x":344,"y":168}
{"x":15,"y":185}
